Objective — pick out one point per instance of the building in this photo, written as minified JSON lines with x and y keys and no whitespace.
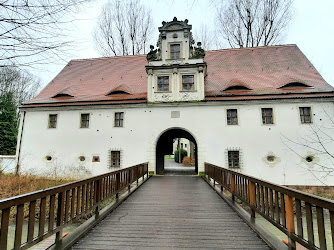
{"x":253,"y":110}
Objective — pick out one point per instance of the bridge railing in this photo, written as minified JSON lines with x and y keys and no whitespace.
{"x":56,"y":207}
{"x":295,"y":213}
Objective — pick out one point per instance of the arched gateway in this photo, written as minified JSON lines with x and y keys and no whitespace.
{"x":164,"y":146}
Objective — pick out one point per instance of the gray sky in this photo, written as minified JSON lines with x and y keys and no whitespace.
{"x":312,"y":29}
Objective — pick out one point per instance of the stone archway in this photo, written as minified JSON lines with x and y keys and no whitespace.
{"x":164,"y":146}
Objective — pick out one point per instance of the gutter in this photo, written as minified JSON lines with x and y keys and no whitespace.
{"x":17,"y":168}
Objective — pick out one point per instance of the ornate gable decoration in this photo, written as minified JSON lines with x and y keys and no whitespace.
{"x":175,"y":25}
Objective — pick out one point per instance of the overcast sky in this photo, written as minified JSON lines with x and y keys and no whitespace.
{"x":312,"y":29}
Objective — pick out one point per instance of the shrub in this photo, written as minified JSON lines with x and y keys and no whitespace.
{"x":181,"y":152}
{"x":187,"y":161}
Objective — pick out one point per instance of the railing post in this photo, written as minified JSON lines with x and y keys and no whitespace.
{"x":137,"y":174}
{"x":252,"y":199}
{"x":146,"y":166}
{"x":232,"y":185}
{"x":290,"y":223}
{"x":60,"y":215}
{"x":4,"y":228}
{"x":143,"y":173}
{"x":214,"y":176}
{"x":129,"y":173}
{"x":97,"y":197}
{"x":118,"y":182}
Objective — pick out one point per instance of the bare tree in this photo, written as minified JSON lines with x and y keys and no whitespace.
{"x":32,"y":31}
{"x":123,"y":28}
{"x":251,"y":23}
{"x":205,"y":35}
{"x":315,"y":147}
{"x":21,"y":83}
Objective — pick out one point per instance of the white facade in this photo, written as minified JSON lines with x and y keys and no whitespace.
{"x":215,"y":102}
{"x":206,"y":122}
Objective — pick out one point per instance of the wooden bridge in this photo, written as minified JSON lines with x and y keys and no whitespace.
{"x":127,"y":209}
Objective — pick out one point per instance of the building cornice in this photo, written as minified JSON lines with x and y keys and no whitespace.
{"x":177,"y":104}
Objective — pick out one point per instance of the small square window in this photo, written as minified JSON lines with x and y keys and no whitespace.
{"x":115,"y":158}
{"x":163,"y":83}
{"x":52,"y":121}
{"x":232,"y":117}
{"x":96,"y":159}
{"x":119,"y":116}
{"x":267,"y":116}
{"x":188,"y":82}
{"x":305,"y":115}
{"x":233,"y":159}
{"x":175,"y":51}
{"x":84,"y":121}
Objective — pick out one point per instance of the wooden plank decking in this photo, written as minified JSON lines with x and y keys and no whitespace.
{"x":172,"y":212}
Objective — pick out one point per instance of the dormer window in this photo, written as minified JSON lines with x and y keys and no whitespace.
{"x":163,"y":83}
{"x":236,"y":88}
{"x":295,"y":85}
{"x":118,"y":92}
{"x":62,"y":95}
{"x":175,"y":51}
{"x":187,"y":83}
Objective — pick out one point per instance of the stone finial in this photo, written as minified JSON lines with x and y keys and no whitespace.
{"x":163,"y":22}
{"x":152,"y":55}
{"x":186,"y":21}
{"x":198,"y":52}
{"x":175,"y":19}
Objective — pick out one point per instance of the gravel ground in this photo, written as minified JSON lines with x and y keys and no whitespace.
{"x":173,"y":168}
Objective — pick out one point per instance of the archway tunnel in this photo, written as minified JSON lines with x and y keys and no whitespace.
{"x":165,"y":147}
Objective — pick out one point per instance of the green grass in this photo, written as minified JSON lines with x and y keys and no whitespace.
{"x":168,"y":157}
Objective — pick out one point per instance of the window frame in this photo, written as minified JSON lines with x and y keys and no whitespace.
{"x":265,"y":118}
{"x":118,"y":121}
{"x":302,"y":116}
{"x":49,"y":121}
{"x":117,"y":158}
{"x":233,"y":159}
{"x":163,"y":84}
{"x":173,"y":53}
{"x":231,"y":117}
{"x":81,"y":120}
{"x":188,"y":83}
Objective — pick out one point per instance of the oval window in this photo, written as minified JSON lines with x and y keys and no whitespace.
{"x":309,"y":158}
{"x":271,"y":158}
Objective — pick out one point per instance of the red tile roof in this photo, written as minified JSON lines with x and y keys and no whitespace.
{"x":264,"y":70}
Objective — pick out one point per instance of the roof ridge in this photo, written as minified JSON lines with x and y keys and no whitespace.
{"x":141,"y":55}
{"x":258,"y":47}
{"x":107,"y":57}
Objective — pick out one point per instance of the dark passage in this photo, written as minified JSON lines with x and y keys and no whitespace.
{"x":172,"y":212}
{"x":165,"y":147}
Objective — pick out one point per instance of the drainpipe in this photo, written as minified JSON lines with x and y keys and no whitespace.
{"x":17,"y":168}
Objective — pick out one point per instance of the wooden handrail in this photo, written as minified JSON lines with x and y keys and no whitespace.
{"x":61,"y":205}
{"x":281,"y":206}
